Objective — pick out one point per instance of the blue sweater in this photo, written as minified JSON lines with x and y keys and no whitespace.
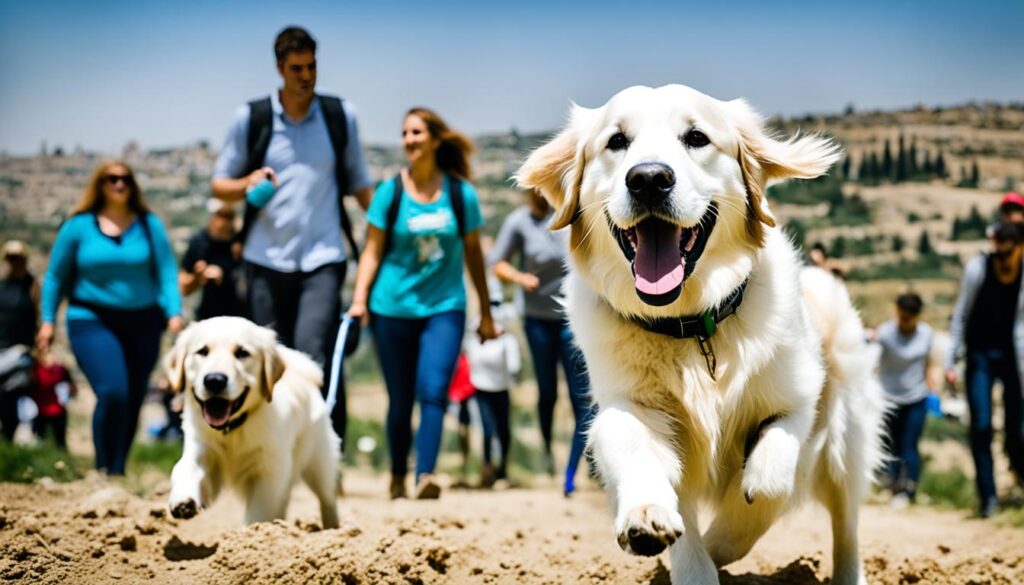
{"x":110,"y":272}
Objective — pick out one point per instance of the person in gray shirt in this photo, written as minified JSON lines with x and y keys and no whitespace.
{"x":906,"y":344}
{"x":526,"y":236}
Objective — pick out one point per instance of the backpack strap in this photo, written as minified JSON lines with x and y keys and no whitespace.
{"x":144,"y":221}
{"x":261,"y":128}
{"x":337,"y":127}
{"x":455,"y":194}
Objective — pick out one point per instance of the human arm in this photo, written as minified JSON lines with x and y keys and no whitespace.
{"x":366,"y":273}
{"x":974,"y":274}
{"x":360,"y":183}
{"x":509,"y":243}
{"x":474,"y":259}
{"x":56,"y":280}
{"x":228,"y":182}
{"x":167,"y":274}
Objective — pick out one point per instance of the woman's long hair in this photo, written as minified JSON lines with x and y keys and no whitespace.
{"x":92,"y":198}
{"x":452,"y":156}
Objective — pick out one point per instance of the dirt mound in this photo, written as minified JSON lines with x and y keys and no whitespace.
{"x":93,"y":531}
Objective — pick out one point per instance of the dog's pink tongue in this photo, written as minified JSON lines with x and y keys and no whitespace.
{"x":216,"y":412}
{"x":658,"y":267}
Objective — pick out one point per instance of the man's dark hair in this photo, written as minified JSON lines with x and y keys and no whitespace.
{"x":293,"y":39}
{"x":910,"y":302}
{"x":820,"y":247}
{"x":1007,"y":232}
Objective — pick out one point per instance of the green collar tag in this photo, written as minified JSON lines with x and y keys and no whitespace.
{"x":709,"y":324}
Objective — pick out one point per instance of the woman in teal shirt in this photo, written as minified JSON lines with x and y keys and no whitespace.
{"x":113,"y":261}
{"x":410,"y":275}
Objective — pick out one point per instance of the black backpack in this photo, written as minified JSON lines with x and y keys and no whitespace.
{"x":458,"y":208}
{"x":261,"y":124}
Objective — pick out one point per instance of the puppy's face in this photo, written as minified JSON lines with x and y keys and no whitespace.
{"x":227,"y":365}
{"x":664,"y":189}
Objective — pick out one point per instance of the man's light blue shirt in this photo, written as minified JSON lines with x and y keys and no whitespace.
{"x":298,"y":230}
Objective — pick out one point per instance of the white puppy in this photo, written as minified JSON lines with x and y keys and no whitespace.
{"x":254,"y":419}
{"x":725,"y":374}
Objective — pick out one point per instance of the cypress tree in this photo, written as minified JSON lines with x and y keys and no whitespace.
{"x":929,"y":169}
{"x":845,"y":168}
{"x":975,"y":175}
{"x":912,"y":169}
{"x":901,"y":163}
{"x":940,"y":165}
{"x":924,"y":245}
{"x":886,"y":170}
{"x":862,"y":169}
{"x":897,"y":243}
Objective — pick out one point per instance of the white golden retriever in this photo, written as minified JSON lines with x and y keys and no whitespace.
{"x":745,"y":412}
{"x":254,"y":420}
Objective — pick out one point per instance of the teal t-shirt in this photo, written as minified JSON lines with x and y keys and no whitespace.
{"x":421,"y":275}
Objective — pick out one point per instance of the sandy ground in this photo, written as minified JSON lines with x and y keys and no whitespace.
{"x":93,"y":531}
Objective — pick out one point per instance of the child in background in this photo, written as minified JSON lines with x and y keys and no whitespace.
{"x":492,"y":365}
{"x":51,"y":394}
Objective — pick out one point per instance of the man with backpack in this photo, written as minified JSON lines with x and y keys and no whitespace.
{"x":292,"y":156}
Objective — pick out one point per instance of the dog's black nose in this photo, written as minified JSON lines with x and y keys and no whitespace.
{"x":650,"y":183}
{"x":215,"y":382}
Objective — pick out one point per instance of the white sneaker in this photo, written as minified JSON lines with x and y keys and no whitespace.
{"x":900,"y":501}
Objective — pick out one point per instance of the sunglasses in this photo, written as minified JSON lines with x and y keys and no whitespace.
{"x":115,"y":179}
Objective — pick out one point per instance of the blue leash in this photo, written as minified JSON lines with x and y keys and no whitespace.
{"x":347,"y":323}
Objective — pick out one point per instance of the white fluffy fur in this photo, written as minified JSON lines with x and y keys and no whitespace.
{"x":668,"y":437}
{"x":287,"y":433}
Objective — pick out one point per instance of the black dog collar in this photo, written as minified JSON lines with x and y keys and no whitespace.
{"x":234,"y":423}
{"x":700,"y":327}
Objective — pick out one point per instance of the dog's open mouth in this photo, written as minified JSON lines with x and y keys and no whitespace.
{"x":663,"y":255}
{"x":218,"y":411}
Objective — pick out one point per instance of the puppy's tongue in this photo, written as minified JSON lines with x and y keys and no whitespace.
{"x":216,"y":412}
{"x":658,"y":267}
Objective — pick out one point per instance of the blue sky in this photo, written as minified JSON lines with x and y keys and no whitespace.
{"x":98,"y":74}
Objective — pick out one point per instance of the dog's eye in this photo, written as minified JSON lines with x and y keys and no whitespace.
{"x":241,"y":353}
{"x":696,"y":139}
{"x":203,"y":351}
{"x":618,"y":141}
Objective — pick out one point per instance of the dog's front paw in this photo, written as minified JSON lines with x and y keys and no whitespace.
{"x":648,"y":530}
{"x":770,"y":469}
{"x":184,"y":509}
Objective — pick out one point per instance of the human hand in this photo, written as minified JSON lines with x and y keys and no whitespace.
{"x":488,"y":330}
{"x":214,"y":273}
{"x":951,"y":376}
{"x":256,"y":177}
{"x":175,"y":324}
{"x":529,"y":282}
{"x":358,"y":311}
{"x":44,"y":337}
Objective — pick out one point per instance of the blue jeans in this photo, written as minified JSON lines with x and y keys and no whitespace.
{"x":551,"y":341}
{"x":904,"y":426}
{"x":983,"y":368}
{"x":117,"y":354}
{"x":417,"y":357}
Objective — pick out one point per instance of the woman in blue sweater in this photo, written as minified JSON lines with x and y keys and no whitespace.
{"x":114,"y":263}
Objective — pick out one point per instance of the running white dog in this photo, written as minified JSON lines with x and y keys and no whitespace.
{"x":725,"y":373}
{"x":254,"y":419}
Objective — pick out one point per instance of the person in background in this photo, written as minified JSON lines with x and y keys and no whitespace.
{"x":987,"y":326}
{"x":19,"y":301}
{"x":293,"y":249}
{"x":113,"y":261}
{"x":906,"y":343}
{"x":409,"y":287}
{"x":212,"y":262}
{"x":541,"y":254}
{"x":1011,"y":210}
{"x":54,"y":388}
{"x":493,"y":364}
{"x":460,"y":393}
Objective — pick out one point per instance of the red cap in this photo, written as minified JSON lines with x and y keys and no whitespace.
{"x":1012,"y":198}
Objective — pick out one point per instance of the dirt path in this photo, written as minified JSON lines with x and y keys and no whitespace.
{"x":92,"y":531}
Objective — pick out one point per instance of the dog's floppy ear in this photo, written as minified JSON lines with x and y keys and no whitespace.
{"x":273,"y":369}
{"x":764,"y":160}
{"x":174,"y":361}
{"x":556,"y":169}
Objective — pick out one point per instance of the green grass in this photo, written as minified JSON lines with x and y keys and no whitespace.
{"x":25,"y":464}
{"x":942,"y":429}
{"x":158,"y":456}
{"x":948,"y":489}
{"x":378,"y":458}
